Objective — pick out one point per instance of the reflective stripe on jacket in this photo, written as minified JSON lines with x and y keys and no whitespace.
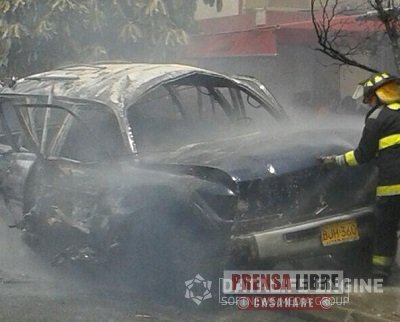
{"x":381,"y":141}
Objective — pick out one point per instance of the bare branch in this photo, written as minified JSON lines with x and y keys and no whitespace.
{"x":330,"y":35}
{"x":389,"y":17}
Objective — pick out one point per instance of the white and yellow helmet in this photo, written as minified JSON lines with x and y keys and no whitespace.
{"x":385,"y":86}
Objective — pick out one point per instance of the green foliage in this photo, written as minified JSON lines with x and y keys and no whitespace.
{"x":40,"y":34}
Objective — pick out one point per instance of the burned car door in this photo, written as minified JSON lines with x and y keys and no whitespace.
{"x":53,"y":180}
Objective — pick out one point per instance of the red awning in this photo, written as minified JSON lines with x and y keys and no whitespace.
{"x":262,"y":41}
{"x":303,"y":32}
{"x":344,"y":23}
{"x":256,"y":42}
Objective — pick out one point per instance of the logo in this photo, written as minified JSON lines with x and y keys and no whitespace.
{"x":284,"y":290}
{"x":327,"y":302}
{"x":243,"y":303}
{"x":282,"y":282}
{"x":198,"y":289}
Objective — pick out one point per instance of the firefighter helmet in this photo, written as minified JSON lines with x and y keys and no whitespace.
{"x":371,"y":84}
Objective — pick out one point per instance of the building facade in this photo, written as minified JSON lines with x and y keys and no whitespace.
{"x":273,"y":40}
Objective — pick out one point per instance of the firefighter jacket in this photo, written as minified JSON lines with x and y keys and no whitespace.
{"x":381,"y":141}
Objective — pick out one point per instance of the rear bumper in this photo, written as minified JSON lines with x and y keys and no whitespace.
{"x":300,"y":239}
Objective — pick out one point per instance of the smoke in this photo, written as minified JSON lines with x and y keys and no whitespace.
{"x":132,"y":226}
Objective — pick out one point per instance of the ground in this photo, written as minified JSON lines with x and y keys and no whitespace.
{"x":33,"y":290}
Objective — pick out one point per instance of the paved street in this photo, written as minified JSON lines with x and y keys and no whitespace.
{"x":31,"y":290}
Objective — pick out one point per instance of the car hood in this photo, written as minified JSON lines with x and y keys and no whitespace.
{"x":258,"y":155}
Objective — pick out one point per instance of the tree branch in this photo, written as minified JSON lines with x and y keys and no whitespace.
{"x":328,"y":37}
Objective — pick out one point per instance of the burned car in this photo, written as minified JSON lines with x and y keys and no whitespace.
{"x":166,"y":165}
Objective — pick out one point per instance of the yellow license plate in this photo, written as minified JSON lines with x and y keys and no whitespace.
{"x":340,"y":232}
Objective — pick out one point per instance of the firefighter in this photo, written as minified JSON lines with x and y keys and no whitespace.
{"x":380,"y":142}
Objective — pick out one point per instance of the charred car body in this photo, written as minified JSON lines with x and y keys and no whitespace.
{"x":115,"y":158}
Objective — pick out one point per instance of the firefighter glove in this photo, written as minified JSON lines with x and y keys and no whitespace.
{"x":331,"y":161}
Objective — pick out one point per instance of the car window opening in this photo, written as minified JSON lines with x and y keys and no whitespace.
{"x":193,"y":110}
{"x":63,"y":129}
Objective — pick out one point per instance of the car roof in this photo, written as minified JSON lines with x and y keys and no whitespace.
{"x":117,"y":85}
